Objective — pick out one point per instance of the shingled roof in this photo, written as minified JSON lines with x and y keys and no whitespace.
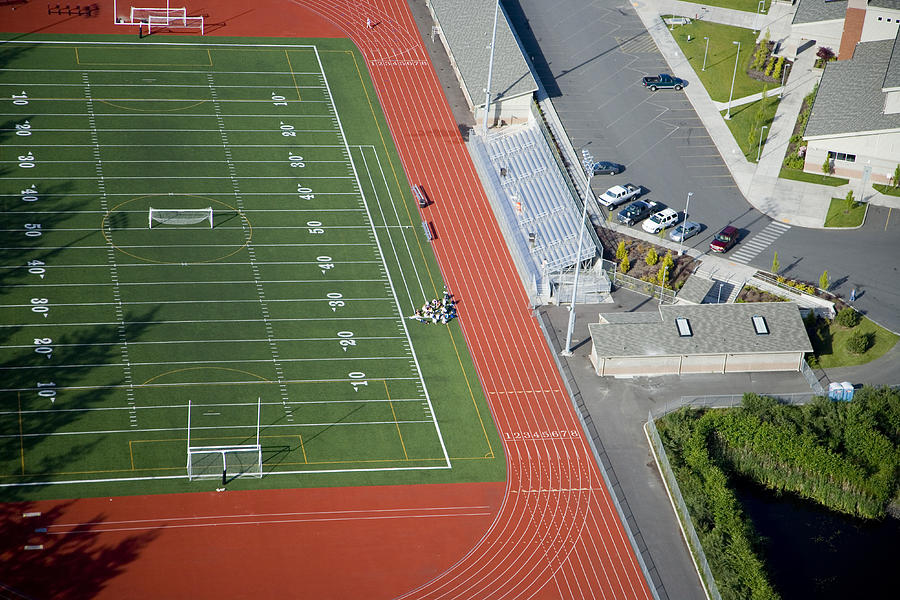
{"x":467,"y":26}
{"x":850,"y":97}
{"x":715,"y":329}
{"x":813,"y":11}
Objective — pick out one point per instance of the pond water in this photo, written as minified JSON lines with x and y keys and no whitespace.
{"x":814,"y":553}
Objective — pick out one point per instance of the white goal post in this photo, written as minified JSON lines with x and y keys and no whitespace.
{"x":180,"y":216}
{"x":162,"y":17}
{"x":225,"y":461}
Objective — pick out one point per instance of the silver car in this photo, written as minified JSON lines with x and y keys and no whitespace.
{"x":684,"y":231}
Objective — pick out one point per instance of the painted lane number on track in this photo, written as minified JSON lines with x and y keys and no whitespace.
{"x":541,"y":435}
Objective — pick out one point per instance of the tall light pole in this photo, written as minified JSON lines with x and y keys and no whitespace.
{"x":733,"y":75}
{"x":759,"y":147}
{"x":588,"y":162}
{"x":487,"y":91}
{"x":787,"y":67}
{"x":686,"y":205}
{"x":759,"y":9}
{"x":705,"y":52}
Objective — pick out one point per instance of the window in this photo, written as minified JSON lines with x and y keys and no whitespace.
{"x":759,"y":324}
{"x":684,"y":327}
{"x":841,"y":156}
{"x":879,"y":18}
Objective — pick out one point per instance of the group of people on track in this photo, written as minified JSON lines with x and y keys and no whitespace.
{"x":437,"y":311}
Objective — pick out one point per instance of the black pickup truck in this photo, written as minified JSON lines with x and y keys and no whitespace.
{"x":638,"y":210}
{"x":663,"y":80}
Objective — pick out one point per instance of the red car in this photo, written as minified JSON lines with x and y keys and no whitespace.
{"x":724,"y":240}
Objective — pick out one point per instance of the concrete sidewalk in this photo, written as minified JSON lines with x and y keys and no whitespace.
{"x":794,"y":202}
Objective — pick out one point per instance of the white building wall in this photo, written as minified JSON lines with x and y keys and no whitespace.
{"x":880,"y":24}
{"x":703,"y":364}
{"x":640,"y":365}
{"x":880,"y":150}
{"x":777,"y":361}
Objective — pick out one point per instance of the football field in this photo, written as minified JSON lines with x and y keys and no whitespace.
{"x":214,"y":245}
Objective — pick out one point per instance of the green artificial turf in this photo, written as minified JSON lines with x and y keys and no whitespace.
{"x":298,"y":296}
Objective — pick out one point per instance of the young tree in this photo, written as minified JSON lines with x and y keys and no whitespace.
{"x":775,"y":264}
{"x":849,"y":202}
{"x":826,"y":166}
{"x":620,"y":250}
{"x":823,"y":281}
{"x":667,"y":260}
{"x":652,"y":257}
{"x":662,"y":277}
{"x":625,"y":265}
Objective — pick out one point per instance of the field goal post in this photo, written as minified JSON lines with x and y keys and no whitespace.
{"x":179,"y":216}
{"x":230,"y":460}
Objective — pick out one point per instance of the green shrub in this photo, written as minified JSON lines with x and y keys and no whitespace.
{"x":620,"y":250}
{"x":779,"y":67}
{"x":625,"y":265}
{"x":823,"y":281}
{"x":826,"y":166}
{"x":859,"y":342}
{"x":667,"y":260}
{"x":770,"y":67}
{"x":662,"y":277}
{"x":848,"y":317}
{"x":652,"y":257}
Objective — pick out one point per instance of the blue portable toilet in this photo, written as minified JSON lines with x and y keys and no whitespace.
{"x":848,"y":391}
{"x":835,"y":391}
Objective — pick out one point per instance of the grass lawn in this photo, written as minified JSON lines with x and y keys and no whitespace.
{"x":744,"y":5}
{"x":829,"y":344}
{"x":720,"y":58}
{"x":887,"y":189}
{"x":746,"y":129}
{"x":839,"y":216}
{"x":798,"y":175}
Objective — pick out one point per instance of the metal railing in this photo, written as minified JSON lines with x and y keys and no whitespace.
{"x":646,"y":288}
{"x":728,"y":401}
{"x":811,"y":378}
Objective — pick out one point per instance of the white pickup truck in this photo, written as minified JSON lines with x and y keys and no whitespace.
{"x":618,"y":194}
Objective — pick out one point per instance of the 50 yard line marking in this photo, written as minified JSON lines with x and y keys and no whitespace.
{"x":251,"y":253}
{"x":110,"y":253}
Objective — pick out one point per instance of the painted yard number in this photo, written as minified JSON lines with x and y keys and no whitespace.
{"x":278,"y":100}
{"x":23,"y":129}
{"x":36,"y":267}
{"x":335,"y":300}
{"x":304,"y":193}
{"x":30,"y":194}
{"x":346,"y":339}
{"x":42,"y":346}
{"x":40,"y":306}
{"x":296,"y":160}
{"x":33,"y":229}
{"x":357,"y":379}
{"x":20,"y":99}
{"x":315,"y":227}
{"x":287,"y":130}
{"x":46,"y":390}
{"x":325,"y":263}
{"x":26,"y":161}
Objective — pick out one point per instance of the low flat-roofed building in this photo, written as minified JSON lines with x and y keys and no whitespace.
{"x":704,"y":338}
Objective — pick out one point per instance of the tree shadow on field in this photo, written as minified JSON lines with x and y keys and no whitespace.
{"x":63,"y":560}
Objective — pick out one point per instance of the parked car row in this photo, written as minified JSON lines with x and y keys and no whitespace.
{"x":662,"y":217}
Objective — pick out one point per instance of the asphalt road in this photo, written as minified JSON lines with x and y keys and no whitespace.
{"x":591,"y":57}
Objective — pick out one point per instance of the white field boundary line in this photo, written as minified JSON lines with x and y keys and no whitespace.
{"x":362,"y":153}
{"x":165,"y":177}
{"x":212,"y":428}
{"x":185,"y":477}
{"x":184,"y":406}
{"x":213,"y":383}
{"x":289,"y":228}
{"x":314,"y":146}
{"x":163,"y":85}
{"x":178,"y":302}
{"x":167,"y":162}
{"x":412,"y":350}
{"x":200,"y":100}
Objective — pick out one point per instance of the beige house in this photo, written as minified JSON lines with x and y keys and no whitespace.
{"x":702,"y":338}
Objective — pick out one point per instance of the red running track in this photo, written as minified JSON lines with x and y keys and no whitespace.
{"x":557,"y":534}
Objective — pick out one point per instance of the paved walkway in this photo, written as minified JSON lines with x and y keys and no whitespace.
{"x":793,"y":202}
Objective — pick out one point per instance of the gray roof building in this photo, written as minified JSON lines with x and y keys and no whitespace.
{"x":814,"y":11}
{"x":850,"y":97}
{"x":891,"y":4}
{"x":467,"y":26}
{"x":710,"y":329}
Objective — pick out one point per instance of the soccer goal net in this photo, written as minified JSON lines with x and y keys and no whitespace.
{"x":159,"y":18}
{"x":212,"y":462}
{"x":222,"y":423}
{"x":180,"y":216}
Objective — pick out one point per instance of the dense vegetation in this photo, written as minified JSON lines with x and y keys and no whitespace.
{"x":844,"y":455}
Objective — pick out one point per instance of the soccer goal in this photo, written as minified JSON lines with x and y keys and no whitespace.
{"x":227,"y":461}
{"x":180,"y":216}
{"x":165,"y":17}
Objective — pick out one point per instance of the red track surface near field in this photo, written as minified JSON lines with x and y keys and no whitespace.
{"x":550,"y":532}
